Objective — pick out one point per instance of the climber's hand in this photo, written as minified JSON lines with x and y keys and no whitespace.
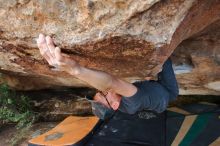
{"x":54,"y":56}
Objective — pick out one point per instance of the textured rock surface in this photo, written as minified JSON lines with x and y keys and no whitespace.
{"x":129,"y":38}
{"x":55,"y":105}
{"x":199,"y":58}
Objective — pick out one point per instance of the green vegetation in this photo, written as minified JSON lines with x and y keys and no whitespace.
{"x":17,"y":110}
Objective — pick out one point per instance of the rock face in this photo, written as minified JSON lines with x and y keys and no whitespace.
{"x":128,"y":38}
{"x":197,"y":62}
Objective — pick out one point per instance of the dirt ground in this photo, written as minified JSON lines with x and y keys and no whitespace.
{"x":7,"y":132}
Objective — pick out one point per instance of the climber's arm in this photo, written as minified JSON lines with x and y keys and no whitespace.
{"x":104,"y":81}
{"x":98,"y":79}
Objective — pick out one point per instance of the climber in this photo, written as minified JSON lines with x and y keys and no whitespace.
{"x":115,"y":93}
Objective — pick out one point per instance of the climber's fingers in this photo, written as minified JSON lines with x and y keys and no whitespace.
{"x":44,"y":50}
{"x":50,"y":46}
{"x":58,"y":56}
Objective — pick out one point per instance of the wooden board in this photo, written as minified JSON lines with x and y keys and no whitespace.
{"x":68,"y":132}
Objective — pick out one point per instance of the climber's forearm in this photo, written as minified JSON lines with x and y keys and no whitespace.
{"x":98,"y":79}
{"x":104,"y":81}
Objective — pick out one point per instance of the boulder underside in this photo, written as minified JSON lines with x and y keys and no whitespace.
{"x":128,"y":38}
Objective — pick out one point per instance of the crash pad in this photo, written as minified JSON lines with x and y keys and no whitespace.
{"x":186,"y":125}
{"x":68,"y":132}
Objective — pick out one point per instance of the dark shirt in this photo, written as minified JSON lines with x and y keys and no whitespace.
{"x":153,"y":95}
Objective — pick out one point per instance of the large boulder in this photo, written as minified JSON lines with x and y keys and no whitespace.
{"x":128,"y":38}
{"x":197,"y":62}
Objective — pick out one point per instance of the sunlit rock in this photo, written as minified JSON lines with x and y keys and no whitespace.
{"x":214,"y":85}
{"x":128,"y":38}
